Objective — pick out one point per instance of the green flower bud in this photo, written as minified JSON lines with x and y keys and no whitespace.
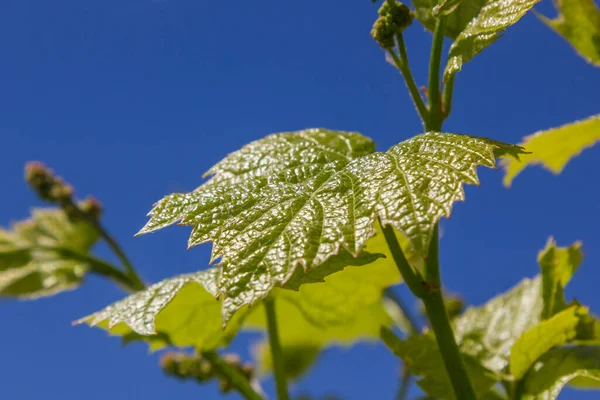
{"x":46,"y":184}
{"x":91,"y":207}
{"x":183,"y":366}
{"x":394,"y":17}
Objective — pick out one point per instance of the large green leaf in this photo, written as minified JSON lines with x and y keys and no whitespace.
{"x":456,"y":21}
{"x":488,"y":332}
{"x":423,"y":358}
{"x":347,"y":307}
{"x":489,"y":24}
{"x":556,"y":331}
{"x":578,"y":21}
{"x":555,"y":147}
{"x":558,"y":264}
{"x":293,"y":200}
{"x":559,"y":366}
{"x":43,"y":255}
{"x":181,"y":311}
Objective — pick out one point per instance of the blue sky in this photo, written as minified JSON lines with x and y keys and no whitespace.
{"x":131,"y":100}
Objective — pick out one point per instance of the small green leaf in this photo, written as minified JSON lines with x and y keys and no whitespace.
{"x":559,"y":366}
{"x":457,"y":20}
{"x":578,"y":21}
{"x":558,"y":264}
{"x":488,"y":332}
{"x":558,"y":330}
{"x":294,"y":200}
{"x":489,"y":24}
{"x":181,"y":311}
{"x":33,"y":262}
{"x":555,"y":147}
{"x":423,"y":358}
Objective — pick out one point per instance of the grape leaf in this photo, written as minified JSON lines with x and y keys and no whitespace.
{"x":181,"y":311}
{"x":578,"y":21}
{"x":295,"y":199}
{"x":559,"y":366}
{"x":423,"y":358}
{"x":555,"y":331}
{"x":555,"y":147}
{"x":38,"y":257}
{"x":457,"y":20}
{"x":345,"y":309}
{"x":558,"y":264}
{"x":488,"y":332}
{"x":483,"y":30}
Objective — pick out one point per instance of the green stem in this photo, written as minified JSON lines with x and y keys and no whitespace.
{"x":238,"y":381}
{"x":100,"y":267}
{"x":276,"y":352}
{"x":428,"y":290}
{"x":438,"y":317}
{"x":404,"y":67}
{"x":112,"y":243}
{"x":447,"y":97}
{"x":116,"y":248}
{"x":453,"y":361}
{"x":412,"y":278}
{"x":435,"y":109}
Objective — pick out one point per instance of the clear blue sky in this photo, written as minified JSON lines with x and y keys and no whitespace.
{"x":131,"y":100}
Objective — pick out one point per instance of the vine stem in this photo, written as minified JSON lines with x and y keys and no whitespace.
{"x":438,"y":317}
{"x":434,"y":123}
{"x":276,"y":352}
{"x":116,"y":248}
{"x":112,"y":243}
{"x":401,"y":62}
{"x":447,"y":97}
{"x":428,"y":290}
{"x":238,"y":381}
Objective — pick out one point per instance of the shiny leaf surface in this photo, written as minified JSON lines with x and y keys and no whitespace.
{"x":181,"y":311}
{"x":294,"y":200}
{"x":461,"y":13}
{"x":483,"y":30}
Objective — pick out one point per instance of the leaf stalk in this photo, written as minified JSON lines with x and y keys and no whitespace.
{"x":440,"y":322}
{"x":276,"y":352}
{"x":434,"y":123}
{"x":130,"y":271}
{"x":401,"y":62}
